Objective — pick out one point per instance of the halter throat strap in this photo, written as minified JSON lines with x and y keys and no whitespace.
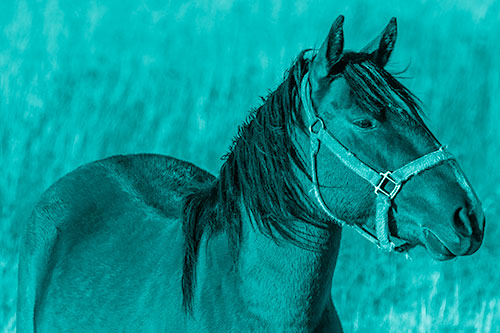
{"x":386,"y":184}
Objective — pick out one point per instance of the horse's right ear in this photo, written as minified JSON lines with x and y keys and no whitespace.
{"x":330,"y":51}
{"x":381,"y":47}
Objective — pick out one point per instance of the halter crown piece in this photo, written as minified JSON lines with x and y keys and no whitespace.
{"x":386,"y":184}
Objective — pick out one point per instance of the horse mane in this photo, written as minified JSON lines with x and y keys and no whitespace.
{"x":259,"y":176}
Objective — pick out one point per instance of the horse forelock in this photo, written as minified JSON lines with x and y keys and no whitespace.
{"x":376,"y":90}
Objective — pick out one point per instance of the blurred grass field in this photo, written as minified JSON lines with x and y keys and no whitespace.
{"x":80,"y":81}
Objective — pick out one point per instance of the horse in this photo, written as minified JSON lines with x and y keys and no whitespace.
{"x":152,"y":243}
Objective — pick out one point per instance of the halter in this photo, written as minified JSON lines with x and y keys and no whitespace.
{"x":386,"y":184}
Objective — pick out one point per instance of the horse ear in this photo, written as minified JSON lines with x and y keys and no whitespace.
{"x":382,"y":46}
{"x":330,"y":51}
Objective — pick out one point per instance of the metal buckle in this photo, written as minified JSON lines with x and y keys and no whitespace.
{"x":386,"y":179}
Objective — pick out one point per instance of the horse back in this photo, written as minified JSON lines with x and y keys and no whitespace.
{"x":104,"y":247}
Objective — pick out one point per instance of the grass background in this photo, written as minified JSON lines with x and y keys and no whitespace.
{"x":83,"y":80}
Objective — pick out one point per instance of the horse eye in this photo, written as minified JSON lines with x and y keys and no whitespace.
{"x":364,"y":123}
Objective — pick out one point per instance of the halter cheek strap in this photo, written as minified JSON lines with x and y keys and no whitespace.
{"x":386,"y":184}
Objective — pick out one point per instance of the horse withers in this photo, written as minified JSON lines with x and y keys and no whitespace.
{"x":152,"y":243}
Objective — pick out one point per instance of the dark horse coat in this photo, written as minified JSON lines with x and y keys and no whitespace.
{"x":110,"y":254}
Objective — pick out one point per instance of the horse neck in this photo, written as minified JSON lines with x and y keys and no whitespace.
{"x":272,"y":280}
{"x":270,"y":284}
{"x":284,"y":282}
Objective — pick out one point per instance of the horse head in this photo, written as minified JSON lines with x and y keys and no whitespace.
{"x":375,"y":129}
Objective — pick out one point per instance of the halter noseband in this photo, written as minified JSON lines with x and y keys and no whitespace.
{"x":386,"y":184}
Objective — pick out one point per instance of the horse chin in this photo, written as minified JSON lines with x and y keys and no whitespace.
{"x":436,"y":248}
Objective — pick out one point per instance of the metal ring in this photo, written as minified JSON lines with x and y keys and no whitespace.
{"x":316,"y":121}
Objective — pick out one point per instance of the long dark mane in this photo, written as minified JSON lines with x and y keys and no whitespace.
{"x":259,"y":175}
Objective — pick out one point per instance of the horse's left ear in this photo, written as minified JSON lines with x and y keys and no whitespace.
{"x":330,"y":51}
{"x":384,"y":44}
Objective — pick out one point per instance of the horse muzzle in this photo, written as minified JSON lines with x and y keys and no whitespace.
{"x":463,"y":237}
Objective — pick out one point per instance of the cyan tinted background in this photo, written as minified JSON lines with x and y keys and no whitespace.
{"x":83,"y":80}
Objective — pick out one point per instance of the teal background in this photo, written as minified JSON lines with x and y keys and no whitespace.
{"x":83,"y":80}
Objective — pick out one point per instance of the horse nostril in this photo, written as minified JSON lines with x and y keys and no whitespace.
{"x":462,"y":222}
